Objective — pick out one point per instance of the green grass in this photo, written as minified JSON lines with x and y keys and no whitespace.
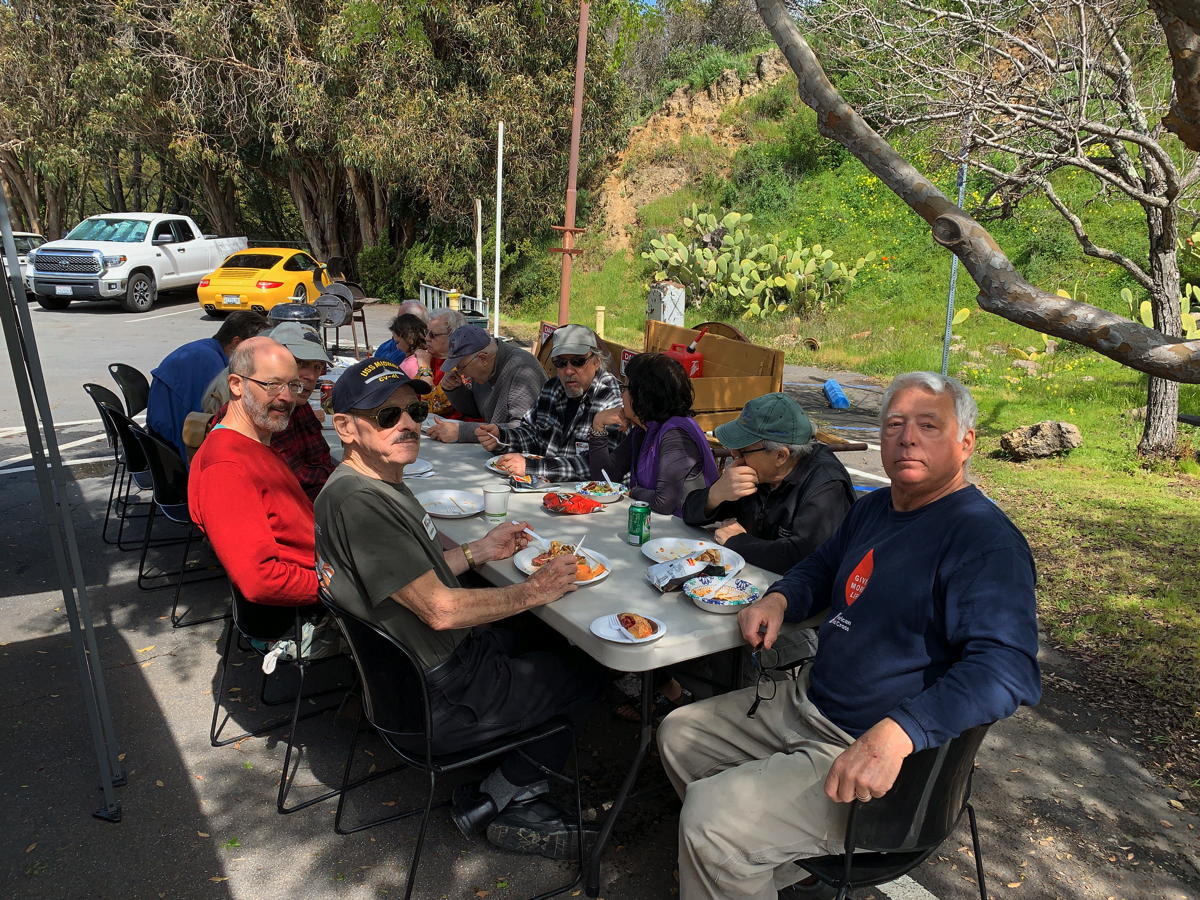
{"x":1114,"y":539}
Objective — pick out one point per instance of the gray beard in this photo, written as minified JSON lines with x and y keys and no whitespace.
{"x":260,"y":414}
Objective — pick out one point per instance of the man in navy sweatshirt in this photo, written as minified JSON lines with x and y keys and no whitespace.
{"x":930,"y":629}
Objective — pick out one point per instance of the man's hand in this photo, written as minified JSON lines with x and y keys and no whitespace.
{"x":502,"y":541}
{"x":727,"y":529}
{"x":444,"y":430}
{"x":606,"y":417}
{"x":551,"y":581}
{"x":512,"y":463}
{"x":489,"y":435}
{"x":735,"y":482}
{"x":760,"y":621}
{"x":868,"y":768}
{"x":451,"y":380}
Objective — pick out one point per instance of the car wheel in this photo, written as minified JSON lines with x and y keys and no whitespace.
{"x":140,"y":293}
{"x":300,"y":295}
{"x":53,"y":302}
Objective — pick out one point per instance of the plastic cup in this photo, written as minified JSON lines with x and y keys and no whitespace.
{"x":495,"y":501}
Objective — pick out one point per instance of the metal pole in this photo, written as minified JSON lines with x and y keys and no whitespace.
{"x":499,"y":206}
{"x":568,"y":229}
{"x":31,"y":392}
{"x":962,"y":192}
{"x":479,"y":252}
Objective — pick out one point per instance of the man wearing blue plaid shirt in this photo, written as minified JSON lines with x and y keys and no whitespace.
{"x":551,"y":441}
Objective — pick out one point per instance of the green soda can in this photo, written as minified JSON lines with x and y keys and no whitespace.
{"x":638,"y":531}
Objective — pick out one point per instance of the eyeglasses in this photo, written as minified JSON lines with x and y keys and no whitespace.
{"x":275,"y":388}
{"x":575,"y":362}
{"x":389,"y":416}
{"x":437,"y":333}
{"x":741,"y":454}
{"x":764,"y":661}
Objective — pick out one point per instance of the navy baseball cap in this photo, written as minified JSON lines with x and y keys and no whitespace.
{"x":464,"y":341}
{"x":367,"y":384}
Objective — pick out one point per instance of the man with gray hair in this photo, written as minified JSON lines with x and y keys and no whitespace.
{"x":505,"y":381}
{"x":782,"y":495}
{"x":930,"y":629}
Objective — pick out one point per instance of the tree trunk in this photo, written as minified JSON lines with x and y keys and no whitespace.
{"x":1160,"y":430}
{"x":22,"y":181}
{"x":364,"y":188}
{"x":316,"y":190}
{"x":218,"y":200}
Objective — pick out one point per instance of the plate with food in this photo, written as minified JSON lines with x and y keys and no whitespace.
{"x":601,"y":490}
{"x":733,"y":595}
{"x":590,"y":567}
{"x":451,"y":504}
{"x":493,"y":464}
{"x":628,"y":628}
{"x":668,"y":548}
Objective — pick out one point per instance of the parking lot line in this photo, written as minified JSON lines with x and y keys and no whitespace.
{"x":178,"y":312}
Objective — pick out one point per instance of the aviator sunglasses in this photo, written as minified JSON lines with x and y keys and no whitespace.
{"x":389,"y":416}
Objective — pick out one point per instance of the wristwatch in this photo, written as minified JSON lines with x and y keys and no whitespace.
{"x":466,"y":549}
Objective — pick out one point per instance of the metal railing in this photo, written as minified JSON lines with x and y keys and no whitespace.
{"x":435,"y":298}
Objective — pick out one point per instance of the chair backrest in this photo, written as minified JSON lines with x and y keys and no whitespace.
{"x":260,"y":621}
{"x":926,"y":801}
{"x":133,"y":384}
{"x":131,"y":447}
{"x":395,"y":694}
{"x":167,"y":470}
{"x":105,"y":400}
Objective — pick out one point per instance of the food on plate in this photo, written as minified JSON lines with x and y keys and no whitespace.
{"x":728,"y":594}
{"x":670,"y":575}
{"x":600,"y":487}
{"x":575,"y":504}
{"x":638,"y":626}
{"x":711,"y":555}
{"x":583,"y":571}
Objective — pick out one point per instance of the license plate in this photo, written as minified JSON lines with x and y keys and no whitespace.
{"x":231,"y":299}
{"x":63,"y":289}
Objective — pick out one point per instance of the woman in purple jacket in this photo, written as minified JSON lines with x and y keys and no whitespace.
{"x":664,"y":453}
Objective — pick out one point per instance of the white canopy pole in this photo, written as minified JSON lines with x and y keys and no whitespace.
{"x":479,"y":250}
{"x":499,"y":202}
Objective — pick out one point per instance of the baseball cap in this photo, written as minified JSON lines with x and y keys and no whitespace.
{"x":573,"y":339}
{"x":302,"y":340}
{"x":367,"y":384}
{"x":771,"y":417}
{"x":464,"y":340}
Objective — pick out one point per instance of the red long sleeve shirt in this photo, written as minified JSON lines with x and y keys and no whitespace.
{"x":257,"y":517}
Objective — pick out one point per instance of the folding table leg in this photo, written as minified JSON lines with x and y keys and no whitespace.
{"x":592,"y":874}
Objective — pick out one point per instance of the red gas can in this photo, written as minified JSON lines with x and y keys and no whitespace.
{"x":691,"y":360}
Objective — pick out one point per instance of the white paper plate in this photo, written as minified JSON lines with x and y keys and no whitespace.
{"x":491,"y":466}
{"x":726,"y":607}
{"x":609,"y":628}
{"x":418,"y":467}
{"x":451,"y":504}
{"x":605,"y":497}
{"x":523,"y":560}
{"x":667,"y":549}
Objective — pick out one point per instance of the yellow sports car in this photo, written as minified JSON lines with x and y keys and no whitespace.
{"x":260,"y":278}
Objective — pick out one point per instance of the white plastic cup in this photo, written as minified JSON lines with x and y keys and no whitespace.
{"x":495,"y":501}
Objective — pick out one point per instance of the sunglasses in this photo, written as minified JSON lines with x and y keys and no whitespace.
{"x":389,"y":416}
{"x":765,"y":686}
{"x":575,"y":362}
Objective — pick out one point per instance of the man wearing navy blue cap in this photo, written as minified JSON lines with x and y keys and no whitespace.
{"x":505,"y":381}
{"x":379,"y":558}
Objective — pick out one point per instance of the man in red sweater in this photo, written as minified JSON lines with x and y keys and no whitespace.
{"x":242,"y":493}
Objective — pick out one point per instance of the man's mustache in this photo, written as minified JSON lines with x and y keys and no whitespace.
{"x":407,"y":435}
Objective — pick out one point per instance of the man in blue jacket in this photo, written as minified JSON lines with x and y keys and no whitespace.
{"x":177,"y":385}
{"x":931,"y":629}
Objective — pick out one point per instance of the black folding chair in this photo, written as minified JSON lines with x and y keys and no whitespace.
{"x":261,"y":625}
{"x":136,"y":475}
{"x":105,"y":401}
{"x":168,"y":476}
{"x":135,"y":387}
{"x":892,"y":834}
{"x":395,"y":700}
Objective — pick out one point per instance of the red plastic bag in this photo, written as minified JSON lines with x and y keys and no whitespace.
{"x":573,"y":504}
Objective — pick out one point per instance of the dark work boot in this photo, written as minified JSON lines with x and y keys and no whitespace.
{"x":538,"y":827}
{"x":470,"y":809}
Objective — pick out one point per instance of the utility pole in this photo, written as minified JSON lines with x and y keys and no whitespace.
{"x":568,"y":229}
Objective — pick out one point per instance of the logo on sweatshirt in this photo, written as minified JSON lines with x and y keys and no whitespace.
{"x":856,"y":583}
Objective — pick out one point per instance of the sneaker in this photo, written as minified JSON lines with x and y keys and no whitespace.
{"x":537,"y":827}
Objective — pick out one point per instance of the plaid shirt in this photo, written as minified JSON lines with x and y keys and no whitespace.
{"x":562,"y":445}
{"x":305,"y":450}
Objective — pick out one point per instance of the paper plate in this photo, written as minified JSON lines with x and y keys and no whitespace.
{"x":600,"y":496}
{"x":726,"y":607}
{"x":491,"y":466}
{"x":609,"y":628}
{"x":451,"y":504}
{"x":667,"y":549}
{"x":523,"y":560}
{"x":418,"y":467}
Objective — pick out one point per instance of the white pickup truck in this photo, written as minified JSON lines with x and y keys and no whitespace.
{"x":128,"y":257}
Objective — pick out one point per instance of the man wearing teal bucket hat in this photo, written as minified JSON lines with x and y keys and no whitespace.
{"x":782,"y":494}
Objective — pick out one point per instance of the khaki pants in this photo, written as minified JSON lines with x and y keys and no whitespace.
{"x":753,"y":791}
